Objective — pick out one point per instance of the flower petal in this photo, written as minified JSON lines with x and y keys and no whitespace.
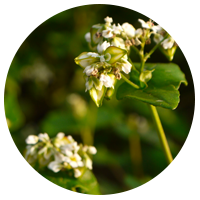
{"x":77,"y":173}
{"x":32,"y":139}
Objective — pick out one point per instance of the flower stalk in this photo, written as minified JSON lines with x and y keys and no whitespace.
{"x":129,"y":82}
{"x":161,"y":134}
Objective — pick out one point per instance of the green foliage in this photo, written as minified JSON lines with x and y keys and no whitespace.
{"x":86,"y":184}
{"x":162,"y":89}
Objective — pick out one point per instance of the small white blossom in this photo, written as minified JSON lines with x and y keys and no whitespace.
{"x":93,"y":82}
{"x":168,"y":43}
{"x":117,"y":29}
{"x":60,"y":135}
{"x":156,"y":29}
{"x":31,"y":150}
{"x":46,"y":151}
{"x":77,"y":173}
{"x":126,"y":66}
{"x":102,"y":47}
{"x":55,"y":166}
{"x":70,"y":147}
{"x":108,"y":20}
{"x":43,"y":137}
{"x":88,"y":37}
{"x":107,"y":33}
{"x":92,"y":150}
{"x":138,"y":32}
{"x":118,"y":42}
{"x":88,"y":70}
{"x":74,"y":160}
{"x":106,"y":80}
{"x":88,"y":163}
{"x":150,"y":25}
{"x":128,"y":29}
{"x":157,"y":38}
{"x":32,"y":139}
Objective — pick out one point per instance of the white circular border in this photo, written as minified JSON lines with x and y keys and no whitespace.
{"x":181,"y":20}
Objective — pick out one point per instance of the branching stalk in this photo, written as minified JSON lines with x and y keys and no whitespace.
{"x":153,"y":49}
{"x":129,"y":82}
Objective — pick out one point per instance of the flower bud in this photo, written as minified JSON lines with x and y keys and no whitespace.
{"x":97,"y":95}
{"x":32,"y":139}
{"x":115,"y":54}
{"x":87,"y":58}
{"x":95,"y":39}
{"x":128,"y":29}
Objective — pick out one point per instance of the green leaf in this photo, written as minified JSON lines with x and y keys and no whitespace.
{"x":87,"y":183}
{"x":162,"y":89}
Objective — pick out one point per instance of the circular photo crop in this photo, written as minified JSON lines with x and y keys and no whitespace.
{"x":99,"y":99}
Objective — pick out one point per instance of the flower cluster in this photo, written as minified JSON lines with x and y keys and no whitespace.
{"x":59,"y":153}
{"x":111,"y":44}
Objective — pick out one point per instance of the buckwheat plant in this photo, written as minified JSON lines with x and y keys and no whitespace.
{"x":109,"y":61}
{"x":61,"y":153}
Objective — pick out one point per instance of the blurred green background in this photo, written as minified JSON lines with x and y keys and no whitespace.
{"x":45,"y":92}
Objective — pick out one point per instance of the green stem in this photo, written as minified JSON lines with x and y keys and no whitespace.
{"x":161,"y":134}
{"x":129,"y":82}
{"x":153,"y":49}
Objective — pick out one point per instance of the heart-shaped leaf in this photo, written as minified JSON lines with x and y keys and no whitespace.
{"x":162,"y":89}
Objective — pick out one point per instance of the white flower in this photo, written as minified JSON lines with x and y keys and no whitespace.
{"x":74,"y":160}
{"x":70,"y":147}
{"x":128,"y":29}
{"x":150,"y":25}
{"x":106,"y":80}
{"x":144,"y":24}
{"x":31,"y":150}
{"x":157,"y":38}
{"x":60,"y":140}
{"x":168,"y":43}
{"x":126,"y":66}
{"x":85,"y":148}
{"x":47,"y":151}
{"x":93,"y":82}
{"x":32,"y":139}
{"x":43,"y":137}
{"x":102,"y":47}
{"x":107,"y":33}
{"x":117,"y":29}
{"x":77,"y":173}
{"x":118,"y":42}
{"x":55,"y":166}
{"x":88,"y":70}
{"x":92,"y":150}
{"x":58,"y":163}
{"x":138,"y":32}
{"x":88,"y":37}
{"x":156,"y":29}
{"x":108,"y":20}
{"x":88,"y":162}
